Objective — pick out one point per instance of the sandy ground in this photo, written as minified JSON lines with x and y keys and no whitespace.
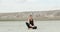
{"x":20,"y":26}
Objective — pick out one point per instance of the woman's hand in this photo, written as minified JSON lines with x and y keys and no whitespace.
{"x":31,"y":25}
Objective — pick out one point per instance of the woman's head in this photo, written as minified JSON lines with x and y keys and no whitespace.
{"x":30,"y":16}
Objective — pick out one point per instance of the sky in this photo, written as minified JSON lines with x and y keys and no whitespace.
{"x":28,"y":5}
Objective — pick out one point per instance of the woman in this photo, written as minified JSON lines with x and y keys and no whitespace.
{"x":30,"y":23}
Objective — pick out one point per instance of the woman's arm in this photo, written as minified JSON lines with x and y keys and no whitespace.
{"x":27,"y":21}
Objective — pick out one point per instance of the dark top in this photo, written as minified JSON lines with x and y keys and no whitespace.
{"x":31,"y":22}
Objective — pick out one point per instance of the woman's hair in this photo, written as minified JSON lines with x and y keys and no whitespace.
{"x":30,"y":15}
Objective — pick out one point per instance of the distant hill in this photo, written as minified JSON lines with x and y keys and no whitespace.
{"x":37,"y":15}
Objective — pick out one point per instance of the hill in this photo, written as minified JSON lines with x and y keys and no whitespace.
{"x":37,"y":15}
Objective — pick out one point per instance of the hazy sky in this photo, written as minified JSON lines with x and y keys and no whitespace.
{"x":28,"y":5}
